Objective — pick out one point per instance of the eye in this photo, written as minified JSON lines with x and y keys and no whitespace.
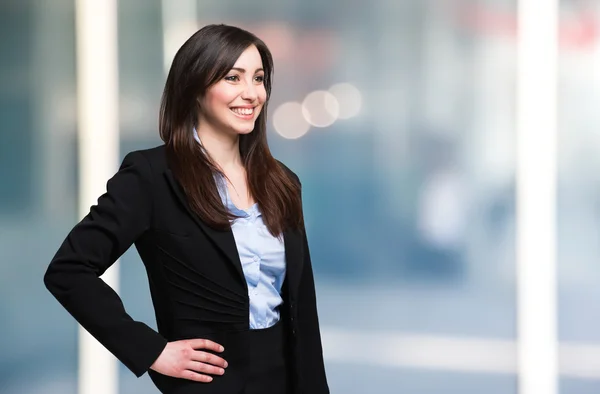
{"x":232,"y":78}
{"x":259,"y":78}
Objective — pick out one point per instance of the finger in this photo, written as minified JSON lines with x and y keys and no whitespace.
{"x":191,"y":375}
{"x":205,"y":344}
{"x":205,"y":368}
{"x":209,"y":358}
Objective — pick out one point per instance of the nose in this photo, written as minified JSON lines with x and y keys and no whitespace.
{"x":249,"y":92}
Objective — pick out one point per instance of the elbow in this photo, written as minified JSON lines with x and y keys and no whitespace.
{"x":65,"y":276}
{"x":56,"y":279}
{"x":51,"y":278}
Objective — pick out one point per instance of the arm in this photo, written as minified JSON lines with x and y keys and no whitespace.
{"x":120,"y":217}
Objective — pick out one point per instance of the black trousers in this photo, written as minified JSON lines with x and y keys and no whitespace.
{"x":269,"y":367}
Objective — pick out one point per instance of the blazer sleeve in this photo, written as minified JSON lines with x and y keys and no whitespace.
{"x":121,"y":215}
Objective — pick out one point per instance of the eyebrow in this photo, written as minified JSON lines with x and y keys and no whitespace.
{"x":243,"y":70}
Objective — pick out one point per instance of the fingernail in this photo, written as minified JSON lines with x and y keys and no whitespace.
{"x":221,"y":371}
{"x":221,"y":348}
{"x":209,"y":379}
{"x":226,"y":364}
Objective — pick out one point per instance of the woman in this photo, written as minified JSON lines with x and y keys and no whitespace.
{"x":218,"y":223}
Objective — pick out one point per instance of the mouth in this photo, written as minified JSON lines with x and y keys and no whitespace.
{"x":243,"y":112}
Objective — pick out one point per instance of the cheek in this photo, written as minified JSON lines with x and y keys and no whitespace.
{"x":223,"y":97}
{"x":219,"y":96}
{"x":262,"y":95}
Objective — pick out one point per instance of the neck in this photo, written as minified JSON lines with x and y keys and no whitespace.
{"x":223,"y":149}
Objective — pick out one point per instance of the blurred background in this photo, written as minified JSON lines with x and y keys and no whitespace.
{"x":398,"y":116}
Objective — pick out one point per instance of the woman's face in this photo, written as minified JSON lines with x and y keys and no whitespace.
{"x":233,"y":104}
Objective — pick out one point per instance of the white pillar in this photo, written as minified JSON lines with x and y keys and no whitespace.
{"x":98,"y":132}
{"x":536,"y":196}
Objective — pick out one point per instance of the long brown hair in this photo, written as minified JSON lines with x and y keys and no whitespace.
{"x":204,"y":59}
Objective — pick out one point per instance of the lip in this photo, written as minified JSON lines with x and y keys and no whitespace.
{"x":243,"y":106}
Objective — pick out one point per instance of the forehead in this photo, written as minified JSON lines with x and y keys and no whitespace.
{"x":249,"y":59}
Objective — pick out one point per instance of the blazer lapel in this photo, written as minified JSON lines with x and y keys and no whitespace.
{"x":224,"y":240}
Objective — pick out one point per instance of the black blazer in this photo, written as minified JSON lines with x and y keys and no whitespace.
{"x":196,"y":280}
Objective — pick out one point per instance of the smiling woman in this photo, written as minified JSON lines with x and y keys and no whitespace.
{"x":218,"y":224}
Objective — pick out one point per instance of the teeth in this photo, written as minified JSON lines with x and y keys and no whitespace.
{"x":243,"y":111}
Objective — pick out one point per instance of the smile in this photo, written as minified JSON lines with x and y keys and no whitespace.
{"x":243,"y":112}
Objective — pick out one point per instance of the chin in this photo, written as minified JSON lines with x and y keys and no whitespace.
{"x":244,"y":130}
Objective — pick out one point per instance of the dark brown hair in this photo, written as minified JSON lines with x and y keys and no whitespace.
{"x":204,"y":59}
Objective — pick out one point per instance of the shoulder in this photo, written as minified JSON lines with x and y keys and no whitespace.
{"x":154,"y":158}
{"x":288,"y":171}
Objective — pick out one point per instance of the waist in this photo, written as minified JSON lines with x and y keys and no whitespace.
{"x":242,"y":343}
